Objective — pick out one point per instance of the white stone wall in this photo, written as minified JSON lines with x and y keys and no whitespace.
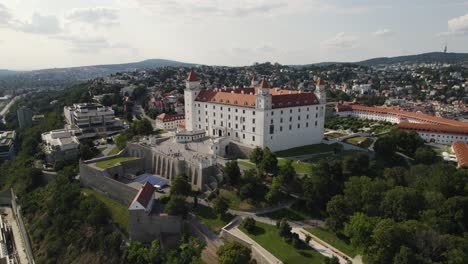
{"x":445,"y":139}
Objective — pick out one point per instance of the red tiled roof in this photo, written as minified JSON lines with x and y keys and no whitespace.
{"x":263,"y":84}
{"x":404,"y":114}
{"x":444,"y":129}
{"x":245,"y":97}
{"x":192,"y":77}
{"x":169,"y":117}
{"x":461,"y":152}
{"x":145,"y":194}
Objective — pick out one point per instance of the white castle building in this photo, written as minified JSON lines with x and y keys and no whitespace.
{"x":256,"y":116}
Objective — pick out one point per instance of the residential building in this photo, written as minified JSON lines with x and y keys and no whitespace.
{"x":93,"y":119}
{"x":25,"y":116}
{"x":169,"y":121}
{"x":7,"y":144}
{"x":257,"y":116}
{"x":440,"y":134}
{"x":61,"y":144}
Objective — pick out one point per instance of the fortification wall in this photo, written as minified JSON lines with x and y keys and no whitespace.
{"x":146,"y":228}
{"x":238,"y":150}
{"x":94,"y":178}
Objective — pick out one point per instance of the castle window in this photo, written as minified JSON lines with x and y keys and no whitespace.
{"x":243,"y":136}
{"x":253,"y":120}
{"x":281,"y":129}
{"x":253,"y":138}
{"x":298,"y":125}
{"x":290,"y":111}
{"x":299,"y":110}
{"x":253,"y":112}
{"x":253,"y":129}
{"x":298,"y":117}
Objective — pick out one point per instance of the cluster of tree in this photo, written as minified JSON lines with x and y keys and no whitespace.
{"x":405,"y":215}
{"x":189,"y":252}
{"x":137,"y":128}
{"x":180,"y":189}
{"x":234,"y":252}
{"x":265,"y":160}
{"x":284,"y":230}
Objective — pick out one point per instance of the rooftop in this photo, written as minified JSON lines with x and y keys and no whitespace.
{"x":105,"y":164}
{"x":145,"y":194}
{"x":461,"y":152}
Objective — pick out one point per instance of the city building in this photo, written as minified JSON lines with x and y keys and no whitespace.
{"x":7,"y":144}
{"x":169,"y":121}
{"x":461,"y":153}
{"x":59,"y":145}
{"x":257,"y":116}
{"x":93,"y":119}
{"x":25,"y":117}
{"x":440,"y":134}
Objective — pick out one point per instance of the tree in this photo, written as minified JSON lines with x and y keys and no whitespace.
{"x":247,"y":191}
{"x":176,"y":206}
{"x":269,"y":162}
{"x":332,"y":260}
{"x":274,"y":193}
{"x":231,"y":172}
{"x":396,"y":176}
{"x":359,"y":230}
{"x":220,"y":206}
{"x":234,"y":253}
{"x":425,"y":155}
{"x":256,"y":156}
{"x":249,"y":224}
{"x":287,"y":171}
{"x":406,"y":256}
{"x":338,"y":210}
{"x":356,"y":164}
{"x":402,"y":203}
{"x":87,"y":152}
{"x":180,"y":186}
{"x":284,"y":228}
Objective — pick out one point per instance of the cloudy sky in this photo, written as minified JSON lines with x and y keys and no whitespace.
{"x":58,"y":33}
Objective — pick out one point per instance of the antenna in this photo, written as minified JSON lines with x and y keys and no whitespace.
{"x":445,"y":47}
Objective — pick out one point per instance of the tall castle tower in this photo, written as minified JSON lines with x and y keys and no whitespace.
{"x":192,"y":89}
{"x":263,"y":97}
{"x":320,"y":92}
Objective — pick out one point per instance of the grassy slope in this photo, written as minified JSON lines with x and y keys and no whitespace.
{"x":112,"y":162}
{"x":113,"y":151}
{"x":305,"y":150}
{"x":118,"y":211}
{"x":209,"y":218}
{"x":332,"y":239}
{"x":268,"y":237}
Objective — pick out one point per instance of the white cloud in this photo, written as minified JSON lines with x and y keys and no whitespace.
{"x":341,"y":41}
{"x":458,"y":25}
{"x":97,"y":16}
{"x":39,"y":24}
{"x":5,"y":15}
{"x":383,"y":33}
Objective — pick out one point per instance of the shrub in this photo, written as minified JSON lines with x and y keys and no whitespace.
{"x":249,"y":224}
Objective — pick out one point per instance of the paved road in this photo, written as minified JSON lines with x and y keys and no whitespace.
{"x":7,"y":107}
{"x":212,"y":240}
{"x":7,"y":213}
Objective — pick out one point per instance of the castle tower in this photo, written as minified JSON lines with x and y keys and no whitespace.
{"x":192,"y":89}
{"x":254,"y":81}
{"x":263,"y":96}
{"x":320,"y":92}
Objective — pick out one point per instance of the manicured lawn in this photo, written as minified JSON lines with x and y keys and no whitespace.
{"x":334,"y":135}
{"x":332,"y":239}
{"x":234,"y":201}
{"x":310,"y":149}
{"x":113,"y":151}
{"x":297,"y":212}
{"x":118,"y":211}
{"x":209,"y":218}
{"x":363,"y":142}
{"x":299,"y":166}
{"x":112,"y":162}
{"x":267,"y":236}
{"x":246,"y":163}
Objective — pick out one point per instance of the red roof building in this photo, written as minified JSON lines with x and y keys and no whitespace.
{"x":144,"y":198}
{"x":461,"y":152}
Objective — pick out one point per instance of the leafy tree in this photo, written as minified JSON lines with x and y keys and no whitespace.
{"x":287,"y":171}
{"x":234,"y":253}
{"x":231,"y":172}
{"x":356,"y":164}
{"x":395,"y":176}
{"x":338,"y":211}
{"x":180,"y":186}
{"x":247,"y":191}
{"x":176,"y":206}
{"x":269,"y":162}
{"x":332,"y":260}
{"x":284,"y":228}
{"x":406,"y":256}
{"x":388,"y":237}
{"x":87,"y":152}
{"x":274,"y":193}
{"x":249,"y":224}
{"x":220,"y":206}
{"x":256,"y":156}
{"x":402,"y":203}
{"x":359,"y":230}
{"x":425,"y":155}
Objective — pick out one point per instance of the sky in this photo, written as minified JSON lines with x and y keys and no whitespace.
{"x":36,"y":34}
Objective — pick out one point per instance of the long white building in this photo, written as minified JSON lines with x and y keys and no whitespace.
{"x":256,"y":116}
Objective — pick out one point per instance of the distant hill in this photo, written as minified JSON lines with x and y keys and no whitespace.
{"x":432,"y":57}
{"x":61,"y":77}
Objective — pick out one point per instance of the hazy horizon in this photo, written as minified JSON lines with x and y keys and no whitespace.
{"x":55,"y":34}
